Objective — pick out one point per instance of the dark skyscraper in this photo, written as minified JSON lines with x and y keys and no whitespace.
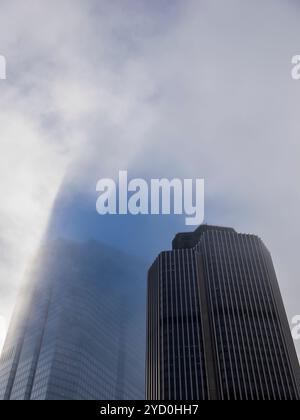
{"x":77,"y":332}
{"x":217,"y":327}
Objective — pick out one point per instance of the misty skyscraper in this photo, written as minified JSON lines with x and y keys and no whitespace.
{"x":77,"y":333}
{"x":217,"y":327}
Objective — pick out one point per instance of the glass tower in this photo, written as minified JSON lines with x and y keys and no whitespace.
{"x":78,"y":329}
{"x":217,"y":327}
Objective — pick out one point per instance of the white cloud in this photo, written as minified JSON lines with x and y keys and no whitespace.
{"x":67,"y":92}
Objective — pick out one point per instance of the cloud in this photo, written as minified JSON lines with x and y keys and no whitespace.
{"x":199,"y":88}
{"x":69,"y":91}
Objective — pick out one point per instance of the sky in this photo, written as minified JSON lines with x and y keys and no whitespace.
{"x":177,"y":88}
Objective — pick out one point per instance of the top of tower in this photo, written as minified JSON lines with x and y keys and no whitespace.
{"x":190,"y":239}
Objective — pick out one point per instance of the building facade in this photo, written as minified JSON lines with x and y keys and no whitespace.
{"x":217,"y":327}
{"x":76,"y":333}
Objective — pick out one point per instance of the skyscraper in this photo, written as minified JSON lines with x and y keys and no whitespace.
{"x":77,"y":331}
{"x":217,"y":327}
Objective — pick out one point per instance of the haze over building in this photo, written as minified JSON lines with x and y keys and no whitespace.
{"x":77,"y":333}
